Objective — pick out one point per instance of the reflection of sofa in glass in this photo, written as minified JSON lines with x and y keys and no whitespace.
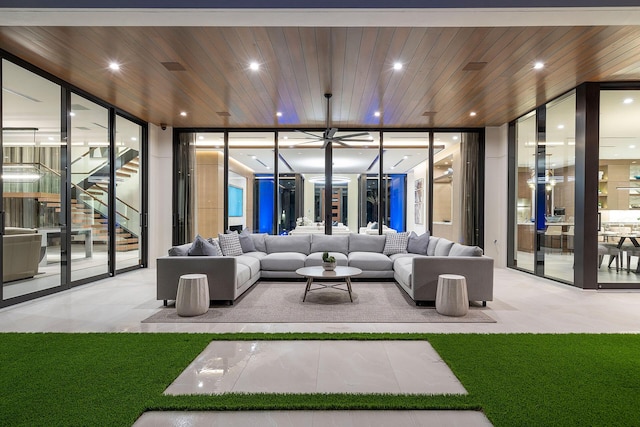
{"x":319,"y":229}
{"x":20,"y":253}
{"x":372,"y":228}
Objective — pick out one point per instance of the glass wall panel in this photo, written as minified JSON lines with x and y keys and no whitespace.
{"x":301,"y":160}
{"x":447,"y":186}
{"x":32,"y":178}
{"x":128,"y":148}
{"x":90,"y":160}
{"x":204,"y":184}
{"x":525,"y":236}
{"x":559,"y":176}
{"x":251,"y":182}
{"x":619,"y":187}
{"x":406,"y":165}
{"x":354,"y":183}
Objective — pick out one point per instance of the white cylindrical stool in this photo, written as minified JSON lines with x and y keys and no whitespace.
{"x":451,"y":297}
{"x":193,"y":295}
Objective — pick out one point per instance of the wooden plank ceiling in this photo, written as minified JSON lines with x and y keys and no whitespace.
{"x":437,"y":85}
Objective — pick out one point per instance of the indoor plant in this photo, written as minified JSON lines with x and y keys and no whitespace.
{"x":328,"y":261}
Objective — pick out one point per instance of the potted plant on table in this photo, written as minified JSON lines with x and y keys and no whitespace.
{"x":328,"y":261}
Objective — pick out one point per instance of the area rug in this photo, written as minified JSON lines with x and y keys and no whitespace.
{"x":278,"y":302}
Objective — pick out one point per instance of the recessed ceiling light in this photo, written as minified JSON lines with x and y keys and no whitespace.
{"x":627,"y":101}
{"x":201,"y":137}
{"x":538,"y":66}
{"x":72,"y":114}
{"x":114,"y":66}
{"x":472,"y":114}
{"x":279,"y":114}
{"x":397,"y":66}
{"x":560,"y":126}
{"x":370,"y":138}
{"x":268,"y":167}
{"x":133,"y":138}
{"x":286,"y":137}
{"x":377,"y":114}
{"x":254,"y":157}
{"x":455,"y":138}
{"x":254,"y":66}
{"x":392,"y":167}
{"x":632,"y":146}
{"x":183,"y":113}
{"x":50,"y":138}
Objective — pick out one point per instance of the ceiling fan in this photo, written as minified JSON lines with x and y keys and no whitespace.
{"x":329,"y":135}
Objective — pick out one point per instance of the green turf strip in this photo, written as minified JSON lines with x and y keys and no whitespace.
{"x":517,"y":380}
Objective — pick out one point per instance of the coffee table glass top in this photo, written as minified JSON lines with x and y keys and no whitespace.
{"x":319,"y":272}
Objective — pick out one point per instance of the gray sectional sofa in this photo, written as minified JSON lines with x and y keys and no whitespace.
{"x":278,"y":257}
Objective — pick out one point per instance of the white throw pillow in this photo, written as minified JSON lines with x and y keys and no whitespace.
{"x":396,"y":243}
{"x":230,"y":244}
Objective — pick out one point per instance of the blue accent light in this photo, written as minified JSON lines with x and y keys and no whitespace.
{"x":397,"y":202}
{"x":264,"y":206}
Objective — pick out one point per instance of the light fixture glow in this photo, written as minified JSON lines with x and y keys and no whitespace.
{"x":201,"y":137}
{"x":286,"y":137}
{"x":455,"y":138}
{"x":538,"y":66}
{"x":133,"y":138}
{"x":397,"y":66}
{"x":472,"y":114}
{"x":628,"y":101}
{"x":72,"y":114}
{"x":254,"y":66}
{"x":114,"y":66}
{"x":279,"y":114}
{"x":560,"y":126}
{"x":183,"y":113}
{"x":632,"y":146}
{"x":377,"y":114}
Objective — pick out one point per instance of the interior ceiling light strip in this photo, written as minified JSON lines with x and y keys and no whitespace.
{"x":14,"y":92}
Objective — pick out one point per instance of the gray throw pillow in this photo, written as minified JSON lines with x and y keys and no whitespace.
{"x":433,"y":242}
{"x":201,"y":247}
{"x":181,"y":250}
{"x":216,"y":244}
{"x":230,"y":244}
{"x":259,"y":241}
{"x":463,"y":250}
{"x":246,"y":242}
{"x":396,"y":243}
{"x":418,"y":244}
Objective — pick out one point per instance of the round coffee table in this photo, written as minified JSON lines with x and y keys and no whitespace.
{"x":314,"y":274}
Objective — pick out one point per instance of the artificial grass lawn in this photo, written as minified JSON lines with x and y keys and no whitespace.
{"x":517,"y":380}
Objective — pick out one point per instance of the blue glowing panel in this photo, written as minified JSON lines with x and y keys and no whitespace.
{"x":397,"y":202}
{"x":265,"y":206}
{"x":236,"y":197}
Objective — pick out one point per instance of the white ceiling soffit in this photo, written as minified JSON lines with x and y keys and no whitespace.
{"x":411,"y":17}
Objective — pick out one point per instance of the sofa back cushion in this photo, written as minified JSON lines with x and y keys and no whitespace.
{"x":259,"y":242}
{"x":431,"y":248}
{"x":443,"y":247}
{"x":418,"y":244}
{"x":300,"y":244}
{"x":366,"y":243}
{"x":246,"y":242}
{"x":323,"y":243}
{"x":181,"y":250}
{"x":463,"y":250}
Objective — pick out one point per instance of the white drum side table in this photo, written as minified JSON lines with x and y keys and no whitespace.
{"x":451,"y":296}
{"x":193,"y":295}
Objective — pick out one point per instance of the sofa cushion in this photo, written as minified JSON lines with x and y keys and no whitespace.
{"x":407,"y":255}
{"x":256,"y":255}
{"x":443,"y":247}
{"x":246,"y":242}
{"x":403,"y":268}
{"x":283,"y":261}
{"x":201,"y":247}
{"x":396,"y":243}
{"x":366,"y":243}
{"x":181,"y":250}
{"x":251,"y":262}
{"x":259,"y":242}
{"x":315,"y":259}
{"x":463,"y":250}
{"x":216,"y":244}
{"x":243,"y":274}
{"x":230,"y":244}
{"x":370,"y":261}
{"x":431,"y":248}
{"x":418,"y":244}
{"x":323,"y":243}
{"x":300,"y":244}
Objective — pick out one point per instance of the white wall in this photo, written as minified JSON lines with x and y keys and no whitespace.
{"x":495,"y":194}
{"x":160,"y":165}
{"x":420,"y":171}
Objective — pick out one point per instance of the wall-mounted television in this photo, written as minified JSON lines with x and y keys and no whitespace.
{"x":236,"y":198}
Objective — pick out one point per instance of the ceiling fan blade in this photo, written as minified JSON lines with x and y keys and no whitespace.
{"x":352,"y":135}
{"x":354,"y":140}
{"x":331,"y":132}
{"x":318,"y":137}
{"x":341,"y":143}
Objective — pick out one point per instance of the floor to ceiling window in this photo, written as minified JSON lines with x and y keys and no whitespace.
{"x":619,"y":187}
{"x":57,"y":175}
{"x":32,"y":172}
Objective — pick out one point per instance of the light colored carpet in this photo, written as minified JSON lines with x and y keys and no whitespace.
{"x":278,"y":302}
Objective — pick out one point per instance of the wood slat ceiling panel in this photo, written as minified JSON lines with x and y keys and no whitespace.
{"x":299,"y":65}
